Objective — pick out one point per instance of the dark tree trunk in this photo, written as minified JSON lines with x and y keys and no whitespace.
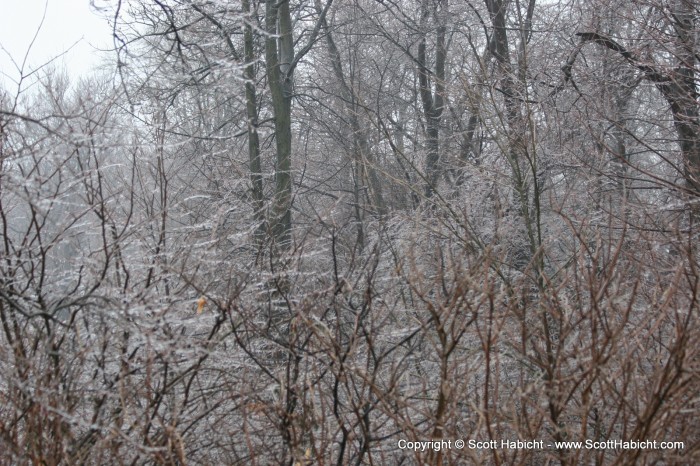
{"x":279,"y":54}
{"x":253,"y":139}
{"x":433,"y":102}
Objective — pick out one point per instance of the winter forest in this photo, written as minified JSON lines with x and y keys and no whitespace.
{"x":306,"y":232}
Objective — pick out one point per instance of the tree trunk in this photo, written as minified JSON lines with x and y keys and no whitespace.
{"x":517,"y":128}
{"x":433,"y":103}
{"x":684,"y":104}
{"x":279,"y":50}
{"x":253,"y":139}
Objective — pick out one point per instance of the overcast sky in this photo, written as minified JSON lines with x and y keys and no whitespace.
{"x":67,"y":23}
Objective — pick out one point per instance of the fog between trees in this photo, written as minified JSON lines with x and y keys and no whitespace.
{"x":300,"y":232}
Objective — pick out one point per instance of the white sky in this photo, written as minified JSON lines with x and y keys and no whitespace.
{"x":67,"y":22}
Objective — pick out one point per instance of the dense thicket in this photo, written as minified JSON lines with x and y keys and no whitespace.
{"x":298,"y":232}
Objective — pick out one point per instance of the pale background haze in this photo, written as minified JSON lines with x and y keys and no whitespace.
{"x":71,"y":26}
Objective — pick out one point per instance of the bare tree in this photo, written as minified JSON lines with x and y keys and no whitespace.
{"x":160,"y":305}
{"x":675,"y":81}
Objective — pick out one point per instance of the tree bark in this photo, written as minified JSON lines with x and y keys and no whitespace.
{"x":279,"y":49}
{"x":252,"y":115}
{"x":517,"y":129}
{"x":433,"y":103}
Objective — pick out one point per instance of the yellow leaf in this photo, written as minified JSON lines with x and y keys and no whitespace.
{"x":200,"y":304}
